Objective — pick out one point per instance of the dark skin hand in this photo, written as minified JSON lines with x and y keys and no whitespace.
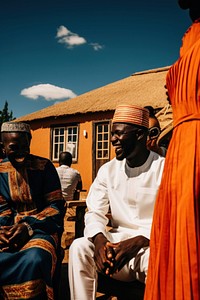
{"x":126,"y":250}
{"x":14,"y":237}
{"x":103,"y":254}
{"x":111,"y":257}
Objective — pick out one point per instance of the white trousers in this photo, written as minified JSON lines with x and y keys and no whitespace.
{"x":83,"y":274}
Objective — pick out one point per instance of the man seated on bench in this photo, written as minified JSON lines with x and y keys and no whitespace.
{"x":31,"y":218}
{"x":127,"y":185}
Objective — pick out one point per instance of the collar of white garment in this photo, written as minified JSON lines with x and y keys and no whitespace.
{"x":137,"y":170}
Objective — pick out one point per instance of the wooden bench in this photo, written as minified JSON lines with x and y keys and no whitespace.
{"x":80,"y":207}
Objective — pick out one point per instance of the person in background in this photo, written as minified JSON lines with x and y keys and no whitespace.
{"x":70,"y":178}
{"x":154,"y":132}
{"x":31,"y":218}
{"x":174,"y":265}
{"x":127,"y":185}
{"x":71,"y":184}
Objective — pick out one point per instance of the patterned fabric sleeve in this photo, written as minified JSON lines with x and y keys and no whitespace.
{"x":6,"y":215}
{"x":50,"y":219}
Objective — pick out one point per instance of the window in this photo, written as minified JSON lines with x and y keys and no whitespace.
{"x":102,"y":141}
{"x":65,"y":139}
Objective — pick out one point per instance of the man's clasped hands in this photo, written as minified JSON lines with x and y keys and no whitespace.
{"x":13,"y":237}
{"x":111,"y":257}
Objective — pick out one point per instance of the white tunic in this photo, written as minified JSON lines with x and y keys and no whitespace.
{"x":129,"y":192}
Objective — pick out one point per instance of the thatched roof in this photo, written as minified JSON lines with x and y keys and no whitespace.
{"x":142,"y":88}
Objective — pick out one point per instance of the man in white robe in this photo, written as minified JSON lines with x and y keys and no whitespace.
{"x":127,"y":187}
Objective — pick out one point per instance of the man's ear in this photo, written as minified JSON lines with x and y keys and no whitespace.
{"x":140,"y":134}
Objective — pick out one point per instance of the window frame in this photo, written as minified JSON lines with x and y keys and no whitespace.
{"x":102,"y":141}
{"x":63,"y":143}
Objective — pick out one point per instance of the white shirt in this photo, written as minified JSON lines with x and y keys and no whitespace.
{"x":69,"y":179}
{"x":129,"y":192}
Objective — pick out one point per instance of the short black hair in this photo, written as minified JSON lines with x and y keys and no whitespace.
{"x":65,"y":158}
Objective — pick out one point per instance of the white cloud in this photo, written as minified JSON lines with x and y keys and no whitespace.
{"x":71,"y":39}
{"x":48,"y":92}
{"x":96,"y":46}
{"x":62,"y":31}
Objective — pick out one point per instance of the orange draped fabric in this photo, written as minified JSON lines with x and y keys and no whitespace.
{"x":174,"y":265}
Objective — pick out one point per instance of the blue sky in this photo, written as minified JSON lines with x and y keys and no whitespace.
{"x":54,"y":50}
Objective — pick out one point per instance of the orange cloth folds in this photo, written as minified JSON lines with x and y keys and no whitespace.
{"x":174,"y":265}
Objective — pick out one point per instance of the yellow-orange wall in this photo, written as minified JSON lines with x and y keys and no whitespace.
{"x":41,"y":140}
{"x":40,"y":144}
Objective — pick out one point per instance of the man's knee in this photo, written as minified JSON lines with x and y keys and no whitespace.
{"x":37,"y":263}
{"x":34,"y":255}
{"x":80,"y":245}
{"x":81,"y":248}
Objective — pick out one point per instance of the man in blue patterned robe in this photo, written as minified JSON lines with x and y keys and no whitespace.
{"x":31,"y":218}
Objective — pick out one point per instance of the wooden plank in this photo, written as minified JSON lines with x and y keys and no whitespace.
{"x":72,"y":203}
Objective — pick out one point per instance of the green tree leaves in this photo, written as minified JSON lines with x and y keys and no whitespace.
{"x":5,"y":115}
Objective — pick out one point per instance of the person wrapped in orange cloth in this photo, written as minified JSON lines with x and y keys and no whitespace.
{"x":174,"y":266}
